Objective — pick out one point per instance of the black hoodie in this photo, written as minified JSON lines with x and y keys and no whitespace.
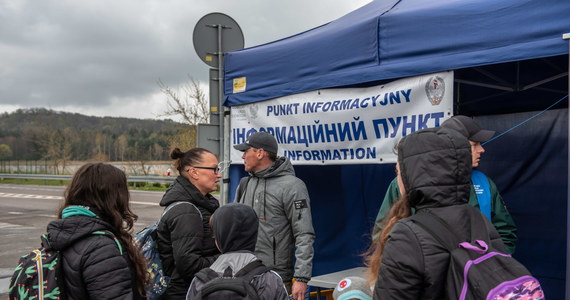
{"x":235,"y":228}
{"x":435,"y":165}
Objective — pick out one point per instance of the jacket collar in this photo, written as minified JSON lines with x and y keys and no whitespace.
{"x":195,"y":196}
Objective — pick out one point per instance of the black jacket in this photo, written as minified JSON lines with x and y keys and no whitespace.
{"x":185,"y":242}
{"x":92,"y":264}
{"x":435,"y":165}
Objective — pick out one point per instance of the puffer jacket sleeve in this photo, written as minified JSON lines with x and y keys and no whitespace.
{"x":297,"y":206}
{"x":106,"y":273}
{"x":402,"y":268}
{"x":187,"y":234}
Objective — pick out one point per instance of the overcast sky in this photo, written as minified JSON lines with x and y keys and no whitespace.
{"x":104,"y":57}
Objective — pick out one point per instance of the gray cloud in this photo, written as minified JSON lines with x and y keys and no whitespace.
{"x":104,"y":57}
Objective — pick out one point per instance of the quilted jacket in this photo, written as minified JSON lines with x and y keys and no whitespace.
{"x":93,"y":266}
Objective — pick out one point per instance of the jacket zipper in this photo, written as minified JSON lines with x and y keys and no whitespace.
{"x":274,"y":258}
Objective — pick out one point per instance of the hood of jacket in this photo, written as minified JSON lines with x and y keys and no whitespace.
{"x":64,"y":232}
{"x":184,"y":190}
{"x":282,"y":166}
{"x":435,"y":165}
{"x":235,"y":227}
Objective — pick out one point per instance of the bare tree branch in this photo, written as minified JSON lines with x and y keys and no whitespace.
{"x":188,"y":102}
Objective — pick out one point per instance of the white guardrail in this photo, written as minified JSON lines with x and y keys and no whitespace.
{"x":148,"y":179}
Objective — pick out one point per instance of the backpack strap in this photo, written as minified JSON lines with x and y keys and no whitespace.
{"x":213,"y":281}
{"x":173,"y":204}
{"x":438,"y":227}
{"x":251,"y":270}
{"x":154,"y":232}
{"x":482,"y":191}
{"x":112,"y":236}
{"x":206,"y":275}
{"x":59,"y":276}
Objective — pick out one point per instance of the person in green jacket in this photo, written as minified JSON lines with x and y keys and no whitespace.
{"x":484,"y":194}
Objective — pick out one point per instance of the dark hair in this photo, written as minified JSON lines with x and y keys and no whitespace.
{"x":104,"y":188}
{"x":188,"y":158}
{"x":272,"y":156}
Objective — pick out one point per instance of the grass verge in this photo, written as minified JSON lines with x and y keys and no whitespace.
{"x":139,"y":186}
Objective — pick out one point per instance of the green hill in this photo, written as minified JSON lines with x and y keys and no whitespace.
{"x":39,"y":133}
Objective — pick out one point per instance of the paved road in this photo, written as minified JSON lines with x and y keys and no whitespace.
{"x":26,"y":210}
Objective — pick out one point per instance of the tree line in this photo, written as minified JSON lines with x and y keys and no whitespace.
{"x":39,"y":133}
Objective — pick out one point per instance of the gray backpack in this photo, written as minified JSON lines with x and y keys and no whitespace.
{"x":227,"y":286}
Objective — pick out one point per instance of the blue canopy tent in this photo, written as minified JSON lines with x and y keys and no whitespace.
{"x":510,"y":61}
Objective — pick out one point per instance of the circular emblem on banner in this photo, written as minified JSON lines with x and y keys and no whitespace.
{"x":343,"y":284}
{"x":252,"y":111}
{"x":435,"y":89}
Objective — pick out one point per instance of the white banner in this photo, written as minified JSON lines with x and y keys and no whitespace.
{"x":346,"y":126}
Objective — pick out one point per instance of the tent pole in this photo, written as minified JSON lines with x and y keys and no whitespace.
{"x":566,"y":36}
{"x":221,"y":116}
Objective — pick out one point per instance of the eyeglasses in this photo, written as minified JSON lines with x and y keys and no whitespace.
{"x":220,"y":168}
{"x":216,"y":169}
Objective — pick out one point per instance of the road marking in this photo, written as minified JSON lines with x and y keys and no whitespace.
{"x":143,"y":203}
{"x":28,"y":214}
{"x":27,"y":196}
{"x":48,"y":216}
{"x":10,"y":225}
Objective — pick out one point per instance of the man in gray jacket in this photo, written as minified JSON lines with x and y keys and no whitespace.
{"x":282,"y":204}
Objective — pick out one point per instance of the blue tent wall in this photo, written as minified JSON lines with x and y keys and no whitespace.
{"x":529,"y":165}
{"x":498,"y":50}
{"x":525,"y":164}
{"x":345,"y":201}
{"x":399,"y":38}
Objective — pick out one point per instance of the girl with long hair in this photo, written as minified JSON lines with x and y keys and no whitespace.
{"x":94,"y":233}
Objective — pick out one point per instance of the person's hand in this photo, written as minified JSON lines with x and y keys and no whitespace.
{"x":298,"y":290}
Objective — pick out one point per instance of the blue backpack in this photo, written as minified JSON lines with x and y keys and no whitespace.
{"x":146,"y":239}
{"x":476,"y":270}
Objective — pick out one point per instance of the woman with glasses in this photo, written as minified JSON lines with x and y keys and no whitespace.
{"x":185,"y":242}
